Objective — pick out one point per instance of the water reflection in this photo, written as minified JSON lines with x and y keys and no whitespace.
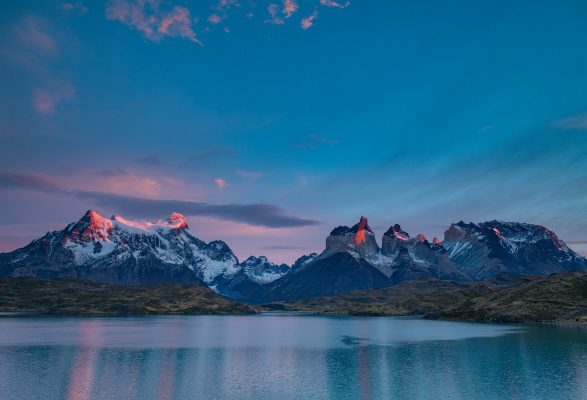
{"x":82,"y":374}
{"x":284,"y":357}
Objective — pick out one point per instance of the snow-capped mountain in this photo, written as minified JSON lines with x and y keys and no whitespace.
{"x":352,"y":259}
{"x":123,"y":251}
{"x":303,"y":260}
{"x":262,"y":271}
{"x":494,"y":247}
{"x":400,"y":256}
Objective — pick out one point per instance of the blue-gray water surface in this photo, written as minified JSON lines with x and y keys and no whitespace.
{"x":287,"y":356}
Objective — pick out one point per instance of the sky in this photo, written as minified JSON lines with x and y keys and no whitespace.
{"x":268,"y":123}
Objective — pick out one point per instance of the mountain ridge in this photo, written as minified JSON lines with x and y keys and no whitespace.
{"x":123,"y":251}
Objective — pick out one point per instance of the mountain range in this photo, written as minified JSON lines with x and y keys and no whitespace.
{"x":123,"y":251}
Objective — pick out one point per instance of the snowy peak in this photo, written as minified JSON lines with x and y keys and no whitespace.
{"x":303,"y":260}
{"x":421,"y":238}
{"x":91,"y":227}
{"x":397,"y":232}
{"x":177,"y":221}
{"x":493,"y":247}
{"x":263,"y":271}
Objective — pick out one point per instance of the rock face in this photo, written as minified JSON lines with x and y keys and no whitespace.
{"x":358,"y":240}
{"x":496,"y":247}
{"x":405,"y":258}
{"x":122,"y":251}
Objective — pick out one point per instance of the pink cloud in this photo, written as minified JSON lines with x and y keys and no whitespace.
{"x":249,"y":174}
{"x":289,"y":7}
{"x":74,"y":7}
{"x":45,"y":100}
{"x":227,"y":4}
{"x":214,"y":19}
{"x":178,"y":23}
{"x":273,"y":10}
{"x":308,"y":21}
{"x":221,"y":183}
{"x":331,"y":3}
{"x":154,"y":22}
{"x":35,"y":33}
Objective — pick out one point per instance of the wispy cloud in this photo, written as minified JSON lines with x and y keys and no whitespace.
{"x":308,"y":21}
{"x":312,"y":141}
{"x":46,"y":99}
{"x":282,"y":247}
{"x":151,"y":161}
{"x":322,"y":139}
{"x":259,"y":214}
{"x":35,"y":33}
{"x":274,"y":18}
{"x":573,"y":123}
{"x":154,"y":19}
{"x":76,"y":7}
{"x":30,"y":181}
{"x":220,"y":183}
{"x":330,"y":3}
{"x":289,"y":7}
{"x":214,"y":19}
{"x":112,"y":172}
{"x":249,"y":174}
{"x":157,"y":19}
{"x":36,"y":49}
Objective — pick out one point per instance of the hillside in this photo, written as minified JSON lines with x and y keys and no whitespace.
{"x":558,"y":297}
{"x":76,"y":297}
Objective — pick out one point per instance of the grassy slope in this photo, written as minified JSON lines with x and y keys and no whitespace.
{"x":75,"y":297}
{"x":559,"y":297}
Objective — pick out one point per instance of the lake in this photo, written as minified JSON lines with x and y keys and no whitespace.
{"x":287,"y":356}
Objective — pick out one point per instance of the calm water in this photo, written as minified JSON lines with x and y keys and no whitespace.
{"x":287,"y":356}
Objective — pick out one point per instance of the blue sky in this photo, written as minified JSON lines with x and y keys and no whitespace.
{"x":270,"y":129}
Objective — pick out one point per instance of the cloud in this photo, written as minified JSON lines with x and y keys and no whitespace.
{"x":153,"y":20}
{"x":222,"y":4}
{"x":573,"y":123}
{"x":151,"y":161}
{"x":308,"y":21}
{"x":46,"y":99}
{"x":112,"y":172}
{"x":35,"y":48}
{"x":34,"y":33}
{"x":282,"y":247}
{"x":312,"y":141}
{"x":214,"y":19}
{"x":330,"y":3}
{"x":30,"y":181}
{"x":275,"y":19}
{"x":249,"y":174}
{"x":260,"y":214}
{"x":289,"y":7}
{"x":221,"y":183}
{"x":76,"y":7}
{"x":322,"y":139}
